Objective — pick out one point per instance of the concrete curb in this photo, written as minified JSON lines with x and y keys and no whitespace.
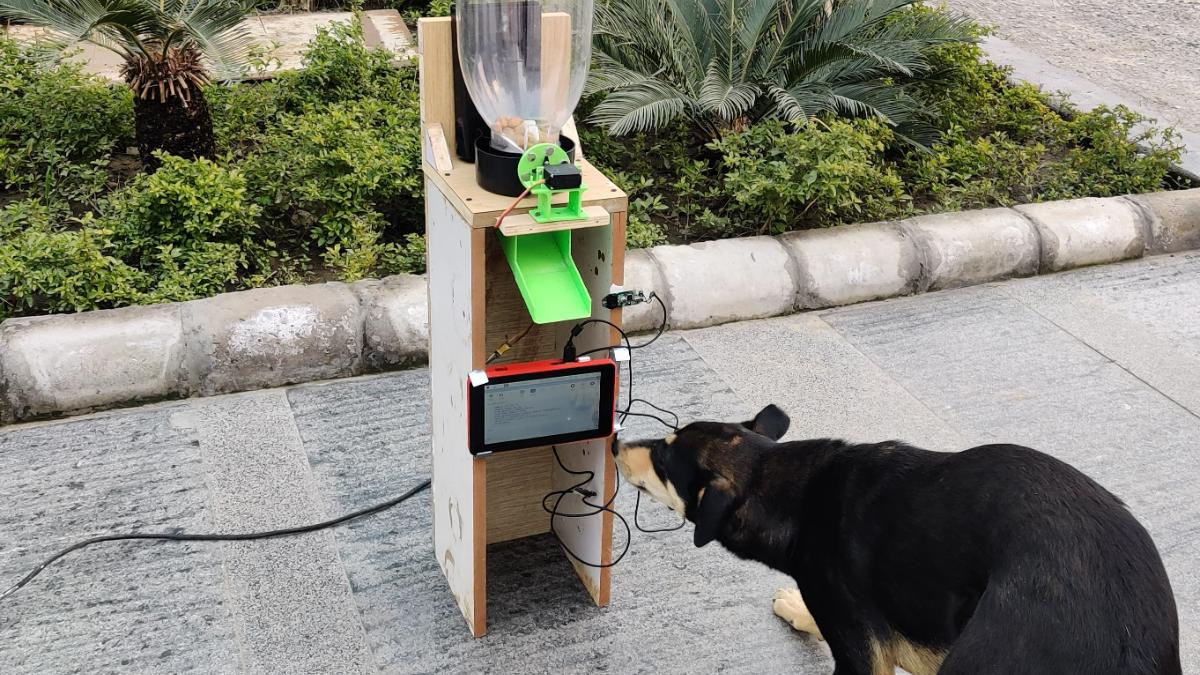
{"x":269,"y":337}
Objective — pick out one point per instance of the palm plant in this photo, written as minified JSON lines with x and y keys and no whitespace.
{"x":170,"y":48}
{"x":722,"y":64}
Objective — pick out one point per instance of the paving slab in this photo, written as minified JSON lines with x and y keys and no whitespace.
{"x":826,"y":385}
{"x":1161,"y":293}
{"x":289,"y":596}
{"x":113,"y":607}
{"x":1164,"y":361}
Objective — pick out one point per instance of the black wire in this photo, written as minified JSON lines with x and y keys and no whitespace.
{"x":597,"y":509}
{"x":629,"y":362}
{"x":590,"y":475}
{"x":625,"y":413}
{"x":662,"y":327}
{"x":638,"y":504}
{"x":247,"y":536}
{"x":672,"y":427}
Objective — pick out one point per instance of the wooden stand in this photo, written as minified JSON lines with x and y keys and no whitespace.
{"x":474,"y":306}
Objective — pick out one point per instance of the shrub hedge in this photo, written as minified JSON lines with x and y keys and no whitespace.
{"x":319,"y":175}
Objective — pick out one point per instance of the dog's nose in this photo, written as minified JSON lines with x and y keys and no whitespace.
{"x":616,"y":445}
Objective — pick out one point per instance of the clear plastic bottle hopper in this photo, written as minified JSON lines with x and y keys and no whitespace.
{"x":524,"y":65}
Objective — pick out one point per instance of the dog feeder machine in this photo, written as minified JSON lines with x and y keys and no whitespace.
{"x":553,"y":258}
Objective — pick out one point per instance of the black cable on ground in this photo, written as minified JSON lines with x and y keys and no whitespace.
{"x":672,"y":426}
{"x":247,"y":536}
{"x":637,"y":504}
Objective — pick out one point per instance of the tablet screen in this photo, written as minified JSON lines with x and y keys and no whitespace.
{"x":548,"y":406}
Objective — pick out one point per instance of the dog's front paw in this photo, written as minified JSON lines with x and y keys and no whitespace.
{"x":789,"y":606}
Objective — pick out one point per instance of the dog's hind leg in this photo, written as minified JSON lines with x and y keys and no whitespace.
{"x":789,"y":606}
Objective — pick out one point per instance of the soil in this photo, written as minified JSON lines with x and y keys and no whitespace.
{"x":122,"y":168}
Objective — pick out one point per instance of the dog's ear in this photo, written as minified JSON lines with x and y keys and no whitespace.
{"x":716,"y":502}
{"x":770,"y":422}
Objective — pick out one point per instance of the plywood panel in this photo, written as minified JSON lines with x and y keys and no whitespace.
{"x":585,"y":536}
{"x":507,"y":315}
{"x":555,"y":58}
{"x":517,"y":483}
{"x":619,"y":223}
{"x":436,"y":71}
{"x":456,"y":500}
{"x":437,"y":149}
{"x":523,"y":223}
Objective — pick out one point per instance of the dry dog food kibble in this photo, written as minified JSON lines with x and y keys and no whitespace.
{"x":520,"y":132}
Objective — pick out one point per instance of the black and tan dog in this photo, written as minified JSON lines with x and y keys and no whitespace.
{"x":998,"y":559}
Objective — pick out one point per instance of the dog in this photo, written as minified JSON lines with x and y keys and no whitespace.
{"x":997,"y":559}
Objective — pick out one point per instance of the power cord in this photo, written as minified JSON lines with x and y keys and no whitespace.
{"x":637,"y":504}
{"x":672,"y":426}
{"x":597,"y":509}
{"x":248,"y":536}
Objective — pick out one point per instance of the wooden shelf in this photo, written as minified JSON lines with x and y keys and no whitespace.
{"x":523,"y":223}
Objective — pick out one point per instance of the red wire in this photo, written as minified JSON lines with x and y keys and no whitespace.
{"x":516,"y":202}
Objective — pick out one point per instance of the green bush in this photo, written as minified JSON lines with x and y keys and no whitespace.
{"x":190,"y":225}
{"x":999,"y":144}
{"x":43,"y":269}
{"x":1005,"y":144}
{"x":184,"y":203}
{"x":819,"y":174}
{"x":320,"y":173}
{"x":242,"y":114}
{"x":339,"y":67}
{"x":964,"y":172}
{"x":200,"y":270}
{"x":333,"y":155}
{"x":1107,"y":155}
{"x":403,"y":257}
{"x":58,"y":126}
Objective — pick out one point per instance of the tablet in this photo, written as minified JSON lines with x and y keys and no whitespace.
{"x":526,"y":405}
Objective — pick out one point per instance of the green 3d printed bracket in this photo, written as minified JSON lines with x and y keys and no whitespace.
{"x":541,"y":262}
{"x":532,"y":171}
